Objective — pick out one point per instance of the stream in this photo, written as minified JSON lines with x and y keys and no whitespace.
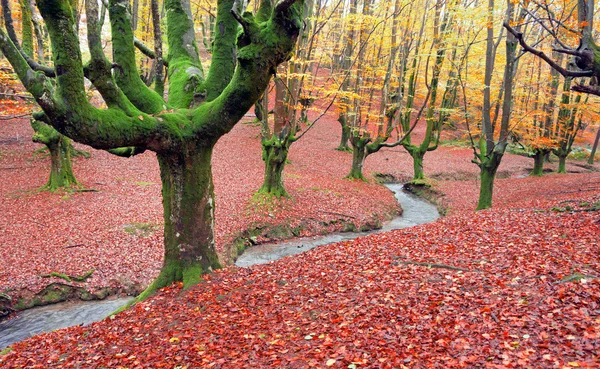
{"x":48,"y":318}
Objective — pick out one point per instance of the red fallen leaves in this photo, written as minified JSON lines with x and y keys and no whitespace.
{"x":36,"y":228}
{"x":358,"y":304}
{"x":367,"y":304}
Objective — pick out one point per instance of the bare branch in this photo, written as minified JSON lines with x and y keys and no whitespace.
{"x":586,"y":89}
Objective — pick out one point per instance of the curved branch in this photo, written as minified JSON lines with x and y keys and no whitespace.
{"x":140,"y":95}
{"x":271,"y":44}
{"x":144,"y":49}
{"x":540,"y":54}
{"x":185,"y":71}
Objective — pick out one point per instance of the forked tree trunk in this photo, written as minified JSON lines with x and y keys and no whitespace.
{"x":60,"y":149}
{"x":189,"y":209}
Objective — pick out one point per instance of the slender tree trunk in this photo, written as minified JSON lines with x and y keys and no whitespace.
{"x":345,"y":134}
{"x":275,"y":152}
{"x":594,"y":148}
{"x":562,"y":164}
{"x":189,"y":208}
{"x":538,"y":162}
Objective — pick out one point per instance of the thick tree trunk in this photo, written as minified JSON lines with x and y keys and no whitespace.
{"x":61,"y":170}
{"x":189,"y":208}
{"x":562,"y":164}
{"x":275,"y":154}
{"x":359,"y":153}
{"x":538,"y":162}
{"x":593,"y":153}
{"x":487,"y":176}
{"x":418,"y":156}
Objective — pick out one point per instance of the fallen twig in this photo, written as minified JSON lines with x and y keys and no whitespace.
{"x":432,"y":265}
{"x":40,"y":223}
{"x":76,"y":245}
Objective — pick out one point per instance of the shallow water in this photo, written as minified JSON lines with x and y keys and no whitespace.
{"x":416,"y":211}
{"x":48,"y":318}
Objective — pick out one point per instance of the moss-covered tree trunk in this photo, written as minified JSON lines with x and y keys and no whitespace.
{"x":189,"y":208}
{"x":562,"y":164}
{"x":275,"y":152}
{"x":487,"y":175}
{"x":60,"y":149}
{"x":539,"y":157}
{"x":418,"y":156}
{"x":183,"y":130}
{"x":359,"y":153}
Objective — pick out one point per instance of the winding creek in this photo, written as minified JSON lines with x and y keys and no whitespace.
{"x":48,"y":318}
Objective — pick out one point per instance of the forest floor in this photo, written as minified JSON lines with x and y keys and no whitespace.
{"x":514,"y":286}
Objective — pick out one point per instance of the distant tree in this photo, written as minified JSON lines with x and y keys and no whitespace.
{"x":295,"y":92}
{"x":59,"y":147}
{"x":182,"y":130}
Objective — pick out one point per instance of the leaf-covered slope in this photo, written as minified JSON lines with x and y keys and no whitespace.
{"x":508,"y":287}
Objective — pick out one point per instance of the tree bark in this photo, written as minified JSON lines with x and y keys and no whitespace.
{"x":562,"y":164}
{"x":418,"y":156}
{"x":538,"y":162}
{"x":275,"y":152}
{"x":594,"y":148}
{"x":345,"y":134}
{"x":487,"y":176}
{"x":359,"y":153}
{"x":189,"y":208}
{"x":60,"y":149}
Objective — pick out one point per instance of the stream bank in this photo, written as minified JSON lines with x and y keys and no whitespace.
{"x":43,"y":319}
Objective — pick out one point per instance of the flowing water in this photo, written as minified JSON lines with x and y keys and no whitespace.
{"x":48,"y":318}
{"x":415,"y":211}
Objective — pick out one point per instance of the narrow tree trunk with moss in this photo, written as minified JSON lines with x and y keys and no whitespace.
{"x":60,"y":149}
{"x":487,"y":177}
{"x":417,"y":156}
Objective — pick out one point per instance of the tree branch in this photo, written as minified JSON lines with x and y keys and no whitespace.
{"x":540,"y":54}
{"x":144,"y":49}
{"x":140,"y":95}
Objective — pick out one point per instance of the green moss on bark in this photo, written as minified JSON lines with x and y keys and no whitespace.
{"x":60,"y":148}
